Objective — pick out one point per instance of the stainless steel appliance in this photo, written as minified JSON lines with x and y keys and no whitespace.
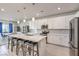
{"x":74,"y":37}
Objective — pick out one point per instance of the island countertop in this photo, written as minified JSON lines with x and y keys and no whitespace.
{"x":34,"y":38}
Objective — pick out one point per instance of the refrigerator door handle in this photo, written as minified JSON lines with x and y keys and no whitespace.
{"x":70,"y":32}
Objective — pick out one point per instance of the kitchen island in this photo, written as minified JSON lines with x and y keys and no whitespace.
{"x":39,"y":39}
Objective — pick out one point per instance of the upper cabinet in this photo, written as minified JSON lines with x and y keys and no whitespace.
{"x":56,"y":23}
{"x":61,"y":22}
{"x":41,"y":22}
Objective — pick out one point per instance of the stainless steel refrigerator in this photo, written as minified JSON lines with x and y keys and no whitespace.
{"x":74,"y":37}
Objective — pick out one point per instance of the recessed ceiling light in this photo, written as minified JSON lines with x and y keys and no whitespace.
{"x":58,"y":8}
{"x":33,"y":18}
{"x":24,"y":20}
{"x":18,"y":22}
{"x":2,"y":9}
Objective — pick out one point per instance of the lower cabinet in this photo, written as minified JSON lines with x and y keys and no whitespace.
{"x":59,"y":37}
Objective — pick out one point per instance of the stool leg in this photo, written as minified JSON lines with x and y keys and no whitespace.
{"x":12,"y":45}
{"x":23,"y":49}
{"x":26,"y":49}
{"x":17,"y":47}
{"x":8,"y":42}
{"x":29,"y":49}
{"x":13,"y":42}
{"x":33,"y":50}
{"x":37,"y":50}
{"x":46,"y":40}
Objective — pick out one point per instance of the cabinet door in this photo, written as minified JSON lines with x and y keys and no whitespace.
{"x":41,"y":22}
{"x":57,"y":23}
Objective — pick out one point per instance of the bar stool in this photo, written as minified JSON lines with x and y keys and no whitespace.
{"x":25,"y":49}
{"x":23,"y":46}
{"x":17,"y":46}
{"x":9,"y":41}
{"x":31,"y":48}
{"x":35,"y":44}
{"x":13,"y":44}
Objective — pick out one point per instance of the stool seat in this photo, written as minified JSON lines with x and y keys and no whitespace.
{"x":30,"y":42}
{"x":14,"y":38}
{"x":20,"y":39}
{"x":26,"y":41}
{"x":34,"y":43}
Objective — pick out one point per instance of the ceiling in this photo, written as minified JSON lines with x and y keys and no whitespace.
{"x":20,"y":11}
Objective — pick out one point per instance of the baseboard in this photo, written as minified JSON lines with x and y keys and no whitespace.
{"x":58,"y":45}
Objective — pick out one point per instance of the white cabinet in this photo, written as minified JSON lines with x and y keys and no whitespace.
{"x":61,"y":22}
{"x":56,"y":23}
{"x":59,"y":37}
{"x":40,"y":22}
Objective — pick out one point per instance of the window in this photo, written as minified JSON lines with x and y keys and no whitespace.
{"x":5,"y":28}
